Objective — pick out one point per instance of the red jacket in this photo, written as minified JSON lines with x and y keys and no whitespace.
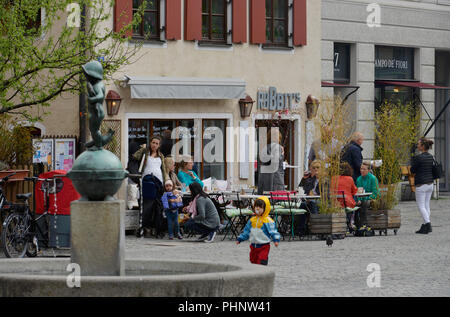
{"x":345,"y":184}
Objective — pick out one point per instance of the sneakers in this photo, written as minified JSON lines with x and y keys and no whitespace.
{"x":203,"y":237}
{"x":180,"y":237}
{"x":211,"y":237}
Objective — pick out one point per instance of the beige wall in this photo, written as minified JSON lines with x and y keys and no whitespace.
{"x":289,"y":71}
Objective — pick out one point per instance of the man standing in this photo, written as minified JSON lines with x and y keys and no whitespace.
{"x":353,"y":154}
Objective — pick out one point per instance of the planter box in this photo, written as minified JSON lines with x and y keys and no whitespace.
{"x":20,"y":174}
{"x":384,"y":219}
{"x":328,"y":223}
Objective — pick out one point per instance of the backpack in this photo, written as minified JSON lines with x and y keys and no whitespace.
{"x":364,"y":232}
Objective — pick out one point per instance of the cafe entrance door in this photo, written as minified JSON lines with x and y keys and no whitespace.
{"x":287,"y":132}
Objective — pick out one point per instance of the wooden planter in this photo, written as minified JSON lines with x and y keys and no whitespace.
{"x":384,"y":219}
{"x":328,"y":223}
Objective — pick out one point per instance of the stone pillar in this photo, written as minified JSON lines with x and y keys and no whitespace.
{"x":98,"y":237}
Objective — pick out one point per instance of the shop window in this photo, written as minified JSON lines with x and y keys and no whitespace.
{"x":149,"y":28}
{"x":213,"y":142}
{"x":277,"y":22}
{"x":214,"y":149}
{"x":342,"y":63}
{"x":214,"y":20}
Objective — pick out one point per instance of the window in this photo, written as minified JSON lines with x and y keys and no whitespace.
{"x":210,"y":149}
{"x":277,"y":22}
{"x":214,"y":20}
{"x":213,"y":157}
{"x":342,"y":63}
{"x":149,"y":27}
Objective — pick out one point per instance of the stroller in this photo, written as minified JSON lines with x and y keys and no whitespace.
{"x":151,"y":211}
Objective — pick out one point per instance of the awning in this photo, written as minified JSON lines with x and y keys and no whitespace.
{"x":329,"y":84}
{"x":413,"y":84}
{"x":186,"y":88}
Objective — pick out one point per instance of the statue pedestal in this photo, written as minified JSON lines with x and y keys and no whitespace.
{"x":98,"y":237}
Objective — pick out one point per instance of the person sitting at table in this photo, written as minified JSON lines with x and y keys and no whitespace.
{"x":369,"y":182}
{"x":170,"y":171}
{"x":344,"y":185}
{"x":310,"y":184}
{"x":186,"y":175}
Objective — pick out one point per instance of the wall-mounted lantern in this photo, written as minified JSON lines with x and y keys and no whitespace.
{"x":113,"y":101}
{"x":312,"y":105}
{"x":246,"y":105}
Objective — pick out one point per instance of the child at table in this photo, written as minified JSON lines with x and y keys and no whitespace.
{"x":171,"y":201}
{"x":260,"y":229}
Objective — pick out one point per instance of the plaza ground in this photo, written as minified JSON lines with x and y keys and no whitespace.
{"x":410,"y":264}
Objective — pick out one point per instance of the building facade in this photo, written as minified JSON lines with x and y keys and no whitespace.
{"x":199,"y":59}
{"x":390,"y":49}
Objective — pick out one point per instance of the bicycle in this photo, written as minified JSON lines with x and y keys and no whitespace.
{"x":5,"y":205}
{"x":22,"y":230}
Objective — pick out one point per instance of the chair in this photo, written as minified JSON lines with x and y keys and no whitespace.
{"x":285,"y":205}
{"x":237,"y":218}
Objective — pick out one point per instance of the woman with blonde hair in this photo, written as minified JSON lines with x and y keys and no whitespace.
{"x":170,"y":171}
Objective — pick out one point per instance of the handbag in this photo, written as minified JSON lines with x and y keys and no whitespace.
{"x":437,"y":169}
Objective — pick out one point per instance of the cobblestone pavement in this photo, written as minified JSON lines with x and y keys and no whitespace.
{"x":410,"y":264}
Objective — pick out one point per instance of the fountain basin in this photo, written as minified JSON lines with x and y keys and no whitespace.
{"x":148,"y":278}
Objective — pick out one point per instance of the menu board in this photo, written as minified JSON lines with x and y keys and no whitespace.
{"x":64,"y":154}
{"x":43,"y":151}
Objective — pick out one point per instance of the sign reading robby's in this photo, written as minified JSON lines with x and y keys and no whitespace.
{"x":394,"y":62}
{"x":271,"y":100}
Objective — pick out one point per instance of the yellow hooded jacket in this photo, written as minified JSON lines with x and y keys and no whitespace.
{"x":260,"y":229}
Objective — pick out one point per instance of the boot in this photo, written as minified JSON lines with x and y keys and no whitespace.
{"x":423,"y":229}
{"x":429,"y":227}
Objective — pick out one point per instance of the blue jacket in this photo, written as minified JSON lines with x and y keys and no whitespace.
{"x":170,"y":205}
{"x":260,"y":229}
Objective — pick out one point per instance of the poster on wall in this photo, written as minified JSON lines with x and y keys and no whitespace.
{"x":43,"y":151}
{"x":64,"y":154}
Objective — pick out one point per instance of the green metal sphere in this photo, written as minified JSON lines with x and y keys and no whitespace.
{"x":97,"y":175}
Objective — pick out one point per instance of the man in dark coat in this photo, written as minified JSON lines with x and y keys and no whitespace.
{"x":353,"y":154}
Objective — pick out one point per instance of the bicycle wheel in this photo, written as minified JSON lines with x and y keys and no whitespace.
{"x":14,"y":236}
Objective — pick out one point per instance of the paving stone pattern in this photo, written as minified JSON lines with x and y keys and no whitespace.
{"x":410,"y":264}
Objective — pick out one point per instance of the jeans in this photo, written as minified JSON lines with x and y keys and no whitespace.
{"x":191,"y":225}
{"x":423,"y":197}
{"x":300,"y":220}
{"x":172,"y":222}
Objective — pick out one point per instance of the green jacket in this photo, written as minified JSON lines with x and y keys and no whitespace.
{"x":370,"y":185}
{"x":143,"y":151}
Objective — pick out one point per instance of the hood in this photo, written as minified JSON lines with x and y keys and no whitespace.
{"x":94,"y":69}
{"x":267,"y":210}
{"x":258,"y":221}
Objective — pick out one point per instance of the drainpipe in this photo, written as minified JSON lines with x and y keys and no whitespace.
{"x":82,"y":96}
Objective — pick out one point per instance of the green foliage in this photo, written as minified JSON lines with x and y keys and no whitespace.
{"x":15,"y":143}
{"x":40,"y":61}
{"x":396,"y":131}
{"x":334,"y":127}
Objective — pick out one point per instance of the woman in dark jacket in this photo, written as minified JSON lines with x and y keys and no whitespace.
{"x":422,"y":167}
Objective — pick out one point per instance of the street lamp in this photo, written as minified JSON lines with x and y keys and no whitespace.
{"x":246,"y":105}
{"x":312,"y":104}
{"x":113,"y":101}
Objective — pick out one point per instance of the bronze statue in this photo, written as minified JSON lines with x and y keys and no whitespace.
{"x":96,"y":94}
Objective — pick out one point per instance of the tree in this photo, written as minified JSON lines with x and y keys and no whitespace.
{"x":42,"y":49}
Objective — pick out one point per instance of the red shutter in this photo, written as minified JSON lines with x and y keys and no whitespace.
{"x":239,"y":21}
{"x":123,"y":15}
{"x":193,"y":20}
{"x":173,"y":19}
{"x":257,"y":21}
{"x":300,"y":22}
